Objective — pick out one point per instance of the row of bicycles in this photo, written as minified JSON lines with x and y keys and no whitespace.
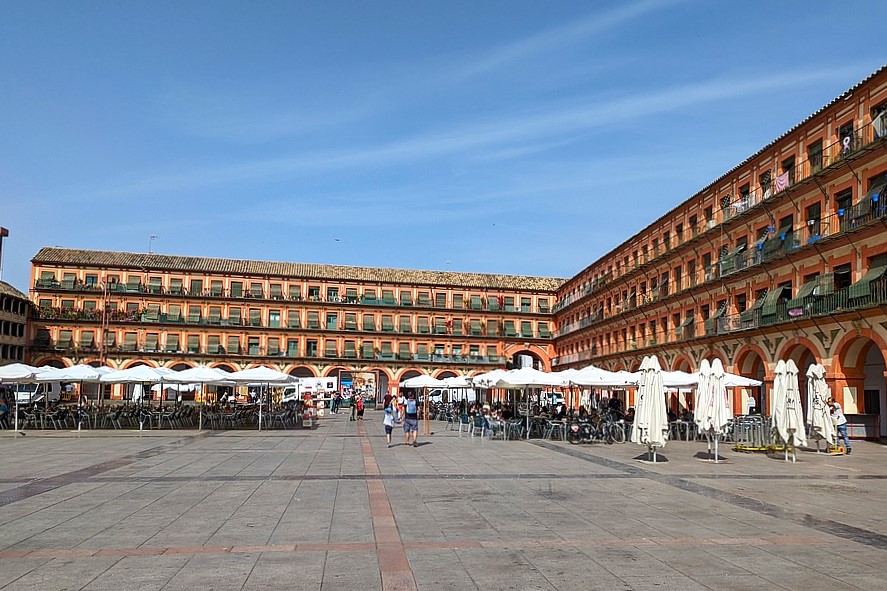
{"x":607,"y":427}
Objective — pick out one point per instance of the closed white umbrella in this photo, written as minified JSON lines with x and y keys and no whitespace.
{"x":788,"y":416}
{"x":712,"y":412}
{"x":818,"y":415}
{"x":651,"y":418}
{"x":17,"y":373}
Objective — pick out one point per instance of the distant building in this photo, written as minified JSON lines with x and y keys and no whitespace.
{"x":14,"y":306}
{"x":359,"y":325}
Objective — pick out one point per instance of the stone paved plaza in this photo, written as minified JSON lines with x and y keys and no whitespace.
{"x":334,"y":508}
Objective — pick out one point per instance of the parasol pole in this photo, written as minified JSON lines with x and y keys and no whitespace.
{"x":202,"y":403}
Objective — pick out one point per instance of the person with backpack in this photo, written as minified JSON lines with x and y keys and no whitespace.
{"x":411,"y":420}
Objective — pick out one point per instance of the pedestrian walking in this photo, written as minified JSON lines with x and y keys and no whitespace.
{"x":359,"y":404}
{"x":840,"y":423}
{"x":353,"y":408}
{"x":411,"y":420}
{"x":388,"y":422}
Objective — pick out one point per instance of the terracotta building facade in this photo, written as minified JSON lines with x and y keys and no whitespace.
{"x":122,"y":309}
{"x":782,"y":257}
{"x":14,"y":307}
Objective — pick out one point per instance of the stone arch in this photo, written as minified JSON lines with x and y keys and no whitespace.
{"x":747,"y":358}
{"x":794,"y":349}
{"x":682,"y":362}
{"x":302,"y":371}
{"x":181,"y":365}
{"x":858,"y":374}
{"x":408,"y":373}
{"x":540,"y":357}
{"x":53,"y":361}
{"x":446,"y":373}
{"x":138,"y":362}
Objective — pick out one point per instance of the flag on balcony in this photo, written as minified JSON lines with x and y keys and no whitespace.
{"x":782,"y":181}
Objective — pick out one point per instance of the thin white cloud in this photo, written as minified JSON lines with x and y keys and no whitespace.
{"x":559,"y":37}
{"x":473,"y":140}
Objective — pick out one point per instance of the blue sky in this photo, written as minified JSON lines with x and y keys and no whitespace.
{"x":504,"y":137}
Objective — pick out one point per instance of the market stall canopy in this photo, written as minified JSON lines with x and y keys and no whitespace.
{"x":528,"y":377}
{"x":488,"y":379}
{"x":261,"y":375}
{"x":75,"y":373}
{"x":17,"y":372}
{"x":457,"y":382}
{"x":142,"y":374}
{"x":602,"y":378}
{"x":423,"y":382}
{"x":201,"y":374}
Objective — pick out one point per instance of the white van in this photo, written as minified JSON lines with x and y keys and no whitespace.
{"x":36,"y":393}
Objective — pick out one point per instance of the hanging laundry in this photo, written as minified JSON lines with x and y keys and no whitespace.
{"x":782,"y":181}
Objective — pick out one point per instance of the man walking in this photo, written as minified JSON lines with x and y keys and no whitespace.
{"x":411,"y":420}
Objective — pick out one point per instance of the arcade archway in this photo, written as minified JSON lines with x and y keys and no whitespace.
{"x":859,"y":380}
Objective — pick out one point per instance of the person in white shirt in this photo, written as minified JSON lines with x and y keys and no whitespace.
{"x":840,"y":422}
{"x":751,"y":405}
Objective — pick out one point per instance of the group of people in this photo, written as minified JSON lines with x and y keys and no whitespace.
{"x":402,"y":410}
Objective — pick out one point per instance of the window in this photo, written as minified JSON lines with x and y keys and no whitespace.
{"x":314,"y":293}
{"x":388,"y":297}
{"x":236,"y":289}
{"x":424,"y":298}
{"x":332,"y":321}
{"x":155,"y":284}
{"x":457,"y":326}
{"x":843,"y":276}
{"x":214,"y":315}
{"x":369,"y":322}
{"x":526,"y":304}
{"x":526,"y":329}
{"x":193,"y":343}
{"x":845,"y":137}
{"x":255,"y":290}
{"x":92,"y":280}
{"x":292,"y":347}
{"x":213,"y":346}
{"x":843,"y":201}
{"x":311,"y":348}
{"x":172,"y":342}
{"x":234,"y":345}
{"x":350,"y":321}
{"x":440,"y":300}
{"x":387,"y":323}
{"x":293,"y":319}
{"x":196,"y":287}
{"x":788,"y":172}
{"x":423,"y":326}
{"x":406,"y":298}
{"x":813,"y":215}
{"x":234,"y":316}
{"x":295,"y":292}
{"x":255,"y":317}
{"x":276,"y":291}
{"x":332,"y":294}
{"x":369,"y":294}
{"x":509,"y":303}
{"x":175,"y":286}
{"x":814,"y":156}
{"x":252,"y":345}
{"x":331,"y":349}
{"x":193,"y":314}
{"x":273,"y":346}
{"x":543,"y":305}
{"x":457,"y":300}
{"x":313,"y":319}
{"x":405,"y":325}
{"x":215,"y":288}
{"x":274,"y":318}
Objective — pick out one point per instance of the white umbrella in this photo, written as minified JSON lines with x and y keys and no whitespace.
{"x":75,"y":373}
{"x":527,"y":377}
{"x":423,"y":381}
{"x":651,"y":419}
{"x":139,"y":374}
{"x":788,"y":416}
{"x":17,"y":373}
{"x":818,"y":415}
{"x":261,"y":375}
{"x":456,"y":382}
{"x":201,"y":374}
{"x":488,"y":379}
{"x":602,"y":378}
{"x":712,"y":412}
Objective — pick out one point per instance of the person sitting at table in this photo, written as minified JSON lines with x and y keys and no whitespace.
{"x":672,"y":416}
{"x":629,"y":415}
{"x":507,"y":413}
{"x":583,"y":412}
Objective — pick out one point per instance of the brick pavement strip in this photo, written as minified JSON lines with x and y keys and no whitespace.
{"x":334,"y":509}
